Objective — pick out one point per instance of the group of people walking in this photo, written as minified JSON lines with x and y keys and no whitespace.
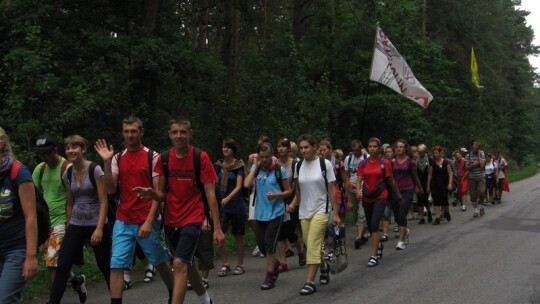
{"x":181,"y":193}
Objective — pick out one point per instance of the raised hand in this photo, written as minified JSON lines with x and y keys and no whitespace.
{"x":105,"y":152}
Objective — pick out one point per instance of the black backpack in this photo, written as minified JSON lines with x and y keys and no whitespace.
{"x":42,"y":209}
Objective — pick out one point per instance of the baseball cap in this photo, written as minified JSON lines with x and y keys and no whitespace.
{"x":464,"y":150}
{"x":45,"y":142}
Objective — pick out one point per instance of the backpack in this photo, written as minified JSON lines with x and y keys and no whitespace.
{"x":112,"y":202}
{"x":323,"y":171}
{"x":197,"y":165}
{"x":279,"y":178}
{"x":42,"y":209}
{"x":380,"y":187}
{"x":350,"y":156}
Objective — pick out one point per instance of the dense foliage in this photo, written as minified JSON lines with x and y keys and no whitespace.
{"x":243,"y":68}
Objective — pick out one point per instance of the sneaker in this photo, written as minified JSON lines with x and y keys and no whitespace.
{"x":206,"y":284}
{"x":400,"y":245}
{"x":482,"y":212}
{"x":384,"y":238}
{"x":396,"y":228}
{"x":407,"y":238}
{"x":269,"y":281}
{"x":79,"y":285}
{"x":256,"y":252}
{"x":475,"y":214}
{"x":463,"y":208}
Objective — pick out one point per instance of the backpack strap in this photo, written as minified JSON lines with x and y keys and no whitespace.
{"x":65,"y":164}
{"x":150,"y":165}
{"x":197,"y":165}
{"x":298,"y":165}
{"x":323,"y":171}
{"x":42,"y":171}
{"x":91,"y":169}
{"x":14,"y":170}
{"x":165,"y":164}
{"x":277,"y":172}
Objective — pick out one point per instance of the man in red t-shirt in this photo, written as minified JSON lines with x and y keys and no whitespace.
{"x":184,"y":208}
{"x":136,"y":217}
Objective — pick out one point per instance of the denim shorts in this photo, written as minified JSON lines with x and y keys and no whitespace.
{"x":123,"y":245}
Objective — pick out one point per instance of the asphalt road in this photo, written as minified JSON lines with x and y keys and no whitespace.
{"x":492,"y":259}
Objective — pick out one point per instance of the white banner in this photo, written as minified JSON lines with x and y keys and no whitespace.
{"x":389,"y":68}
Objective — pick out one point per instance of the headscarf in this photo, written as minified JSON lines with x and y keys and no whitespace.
{"x":225,"y":170}
{"x":5,"y":166}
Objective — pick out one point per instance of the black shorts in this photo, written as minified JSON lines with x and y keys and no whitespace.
{"x":238,"y":222}
{"x":184,"y":241}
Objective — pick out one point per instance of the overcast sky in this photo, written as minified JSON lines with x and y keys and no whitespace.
{"x":533,"y":20}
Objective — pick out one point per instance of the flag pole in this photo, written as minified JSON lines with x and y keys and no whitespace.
{"x":366,"y":93}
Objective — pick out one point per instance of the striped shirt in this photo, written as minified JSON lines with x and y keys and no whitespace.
{"x":476,"y":172}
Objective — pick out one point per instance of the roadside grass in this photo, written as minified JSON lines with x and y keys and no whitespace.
{"x":39,"y":287}
{"x":528,"y":170}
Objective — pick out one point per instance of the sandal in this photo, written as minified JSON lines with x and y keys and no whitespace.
{"x":239,"y":270}
{"x":149,"y":275}
{"x":224,"y":271}
{"x":302,"y":258}
{"x":380,"y":251}
{"x":324,"y":278}
{"x":373,"y":261}
{"x":308,"y":289}
{"x":127,"y":285}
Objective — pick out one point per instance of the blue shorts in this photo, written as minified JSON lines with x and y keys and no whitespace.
{"x":184,"y":240}
{"x":123,"y":245}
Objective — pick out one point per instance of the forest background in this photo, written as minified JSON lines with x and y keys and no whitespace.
{"x":277,"y":67}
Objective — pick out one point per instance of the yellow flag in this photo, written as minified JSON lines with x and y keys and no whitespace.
{"x":474,"y":71}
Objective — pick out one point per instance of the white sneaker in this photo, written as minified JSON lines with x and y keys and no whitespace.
{"x":463,"y":208}
{"x":396,"y":228}
{"x":400,"y":245}
{"x":256,"y":252}
{"x":407,"y":238}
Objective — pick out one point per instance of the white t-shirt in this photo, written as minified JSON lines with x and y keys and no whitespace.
{"x":351,"y":165}
{"x":313,"y":193}
{"x":501,"y":164}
